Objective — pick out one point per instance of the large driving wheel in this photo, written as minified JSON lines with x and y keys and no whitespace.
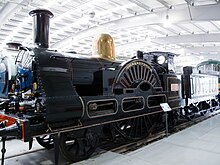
{"x":79,"y":145}
{"x":135,"y":128}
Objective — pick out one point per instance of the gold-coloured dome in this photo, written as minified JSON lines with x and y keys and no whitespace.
{"x":103,"y":47}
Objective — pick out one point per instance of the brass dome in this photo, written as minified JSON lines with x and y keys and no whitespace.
{"x":103,"y":47}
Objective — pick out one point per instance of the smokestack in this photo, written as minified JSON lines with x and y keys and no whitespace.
{"x":41,"y":20}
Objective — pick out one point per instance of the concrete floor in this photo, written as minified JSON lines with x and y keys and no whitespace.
{"x":197,"y":145}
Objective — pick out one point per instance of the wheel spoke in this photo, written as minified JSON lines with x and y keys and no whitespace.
{"x":78,"y":148}
{"x":44,"y":137}
{"x":137,"y":127}
{"x":145,"y":124}
{"x":141,"y":126}
{"x":126,"y":124}
{"x":134,"y":129}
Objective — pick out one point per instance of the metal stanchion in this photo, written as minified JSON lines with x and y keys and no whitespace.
{"x":166,"y":116}
{"x":166,"y":108}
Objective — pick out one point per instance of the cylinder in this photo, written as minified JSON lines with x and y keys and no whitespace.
{"x":41,"y":21}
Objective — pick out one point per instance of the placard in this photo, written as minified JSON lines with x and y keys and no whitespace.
{"x":174,"y":87}
{"x":165,"y":107}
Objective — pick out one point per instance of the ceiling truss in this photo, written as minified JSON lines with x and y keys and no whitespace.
{"x":133,"y":24}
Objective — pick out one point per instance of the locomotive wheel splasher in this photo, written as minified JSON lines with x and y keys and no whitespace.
{"x":136,"y":75}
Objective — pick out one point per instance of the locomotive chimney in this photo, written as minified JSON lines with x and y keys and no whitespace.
{"x":41,"y":20}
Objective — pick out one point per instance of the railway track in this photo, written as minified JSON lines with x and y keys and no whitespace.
{"x":122,"y":146}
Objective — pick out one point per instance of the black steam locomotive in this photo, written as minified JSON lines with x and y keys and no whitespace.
{"x":69,"y":101}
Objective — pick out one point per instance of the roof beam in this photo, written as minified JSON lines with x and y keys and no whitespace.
{"x":181,"y":14}
{"x":199,"y":27}
{"x":140,"y":4}
{"x":164,"y":3}
{"x":133,"y":45}
{"x":205,"y":49}
{"x":195,"y":38}
{"x":7,"y":11}
{"x":215,"y":24}
{"x":190,"y":2}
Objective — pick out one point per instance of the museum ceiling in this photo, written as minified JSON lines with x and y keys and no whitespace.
{"x":190,"y":28}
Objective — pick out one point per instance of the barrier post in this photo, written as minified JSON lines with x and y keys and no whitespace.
{"x":166,"y":108}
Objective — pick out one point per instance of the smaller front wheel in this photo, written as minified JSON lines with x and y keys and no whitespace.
{"x":46,"y":141}
{"x":78,"y":145}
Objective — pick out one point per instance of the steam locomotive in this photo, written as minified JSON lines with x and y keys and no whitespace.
{"x":69,"y":101}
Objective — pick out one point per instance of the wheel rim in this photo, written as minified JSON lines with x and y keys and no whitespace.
{"x":78,"y":148}
{"x":46,"y":141}
{"x":135,"y":128}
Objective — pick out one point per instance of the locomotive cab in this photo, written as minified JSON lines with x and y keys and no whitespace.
{"x":163,"y":63}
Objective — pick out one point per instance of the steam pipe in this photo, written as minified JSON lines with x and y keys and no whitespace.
{"x":41,"y":21}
